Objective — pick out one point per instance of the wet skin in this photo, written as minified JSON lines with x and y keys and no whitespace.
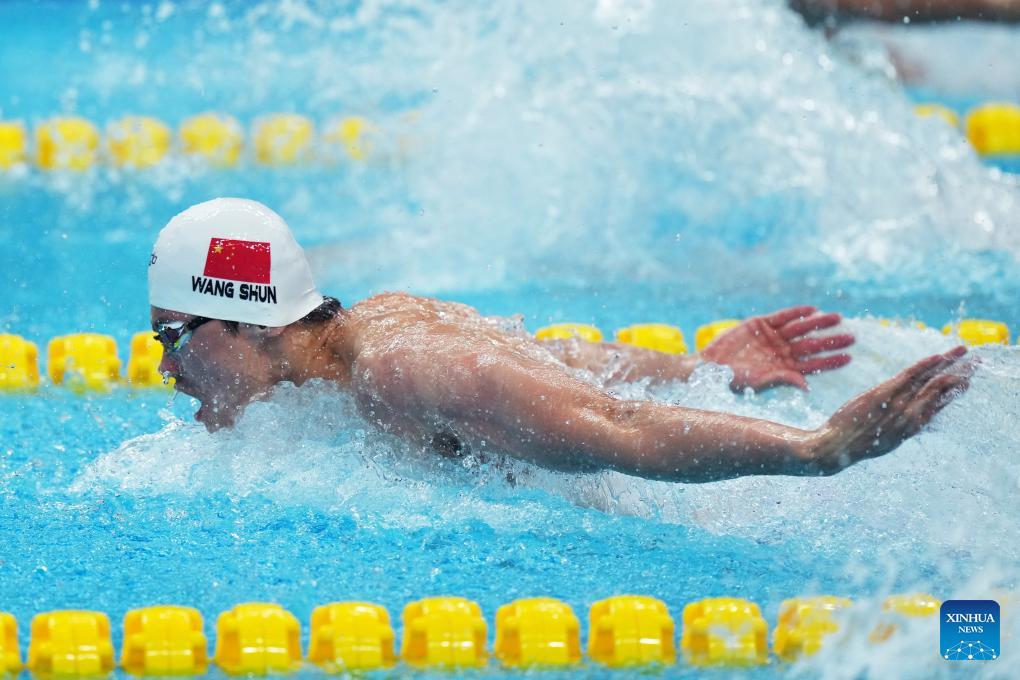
{"x":446,"y":378}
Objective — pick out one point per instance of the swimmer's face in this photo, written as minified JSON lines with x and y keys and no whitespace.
{"x":223,"y":370}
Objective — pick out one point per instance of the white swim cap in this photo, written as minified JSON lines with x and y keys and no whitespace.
{"x":231,"y":259}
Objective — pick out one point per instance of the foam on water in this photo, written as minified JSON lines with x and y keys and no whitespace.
{"x":309,"y":447}
{"x":610,"y":133}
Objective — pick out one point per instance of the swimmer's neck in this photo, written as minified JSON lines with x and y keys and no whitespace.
{"x":324,"y":352}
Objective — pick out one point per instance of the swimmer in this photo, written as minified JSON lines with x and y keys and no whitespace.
{"x":235,"y":307}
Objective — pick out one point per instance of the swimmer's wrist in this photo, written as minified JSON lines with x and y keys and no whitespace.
{"x":818,"y":453}
{"x":791,"y":451}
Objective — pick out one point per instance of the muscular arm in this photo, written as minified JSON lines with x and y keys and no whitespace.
{"x":579,"y":428}
{"x":538,"y":412}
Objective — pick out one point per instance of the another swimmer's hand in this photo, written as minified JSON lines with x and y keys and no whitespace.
{"x":767,"y":351}
{"x":882,"y":418}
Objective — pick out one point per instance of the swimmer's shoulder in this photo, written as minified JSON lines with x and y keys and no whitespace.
{"x":394,"y":323}
{"x":407,"y":307}
{"x":390,"y":302}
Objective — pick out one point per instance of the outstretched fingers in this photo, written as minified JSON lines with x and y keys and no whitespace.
{"x":792,"y":378}
{"x":932,"y":383}
{"x":900,"y":392}
{"x":964,"y":367}
{"x":785,"y":316}
{"x":808,"y":346}
{"x":826,"y":363}
{"x":878,"y":421}
{"x":920,"y":373}
{"x":935,"y":396}
{"x":803,"y":326}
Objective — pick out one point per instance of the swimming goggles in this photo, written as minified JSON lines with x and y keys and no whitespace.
{"x":174,"y":335}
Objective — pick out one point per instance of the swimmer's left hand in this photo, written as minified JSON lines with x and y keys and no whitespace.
{"x":878,"y":421}
{"x":768,"y":351}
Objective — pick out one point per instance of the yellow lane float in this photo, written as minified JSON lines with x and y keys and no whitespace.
{"x":70,"y":643}
{"x":13,"y":144}
{"x":137,"y":141}
{"x":83,"y":361}
{"x":994,"y":128}
{"x":10,"y":656}
{"x":938,"y":111}
{"x":351,"y":637}
{"x":66,"y":144}
{"x":215,"y":137}
{"x":257,"y":638}
{"x":724,"y":631}
{"x":283,"y":139}
{"x":538,"y":631}
{"x":71,"y":142}
{"x":565,"y":331}
{"x":445,"y":632}
{"x":164,"y":640}
{"x":353,"y":135}
{"x":658,"y":336}
{"x":630,"y":630}
{"x":19,"y":363}
{"x":900,"y":609}
{"x":804,"y":623}
{"x":899,"y":323}
{"x":143,"y":364}
{"x":978,"y":331}
{"x":706,"y":335}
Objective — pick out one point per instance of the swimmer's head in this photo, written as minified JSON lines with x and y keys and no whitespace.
{"x":231,"y":295}
{"x":231,"y":259}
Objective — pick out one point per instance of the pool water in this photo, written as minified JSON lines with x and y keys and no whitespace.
{"x":607,"y":163}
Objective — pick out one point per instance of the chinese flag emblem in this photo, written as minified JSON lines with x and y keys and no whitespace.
{"x":238,"y":260}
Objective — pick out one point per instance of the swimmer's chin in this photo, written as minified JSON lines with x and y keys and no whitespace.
{"x":185,"y":388}
{"x":216,"y":418}
{"x":224,"y":411}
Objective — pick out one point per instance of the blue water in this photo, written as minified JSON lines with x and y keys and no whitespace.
{"x":609,"y":164}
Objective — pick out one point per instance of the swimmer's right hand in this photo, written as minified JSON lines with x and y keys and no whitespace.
{"x":882,"y":418}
